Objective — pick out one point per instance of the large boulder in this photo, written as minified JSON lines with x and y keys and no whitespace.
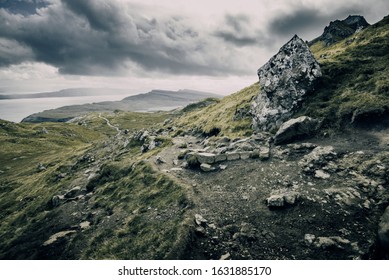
{"x":284,"y":80}
{"x":295,"y":128}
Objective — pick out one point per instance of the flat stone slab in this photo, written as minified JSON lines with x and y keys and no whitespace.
{"x":233,"y":156}
{"x":220,"y":157}
{"x":205,"y":157}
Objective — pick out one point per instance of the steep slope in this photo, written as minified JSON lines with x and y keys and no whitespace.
{"x":352,"y":91}
{"x":355,"y":83}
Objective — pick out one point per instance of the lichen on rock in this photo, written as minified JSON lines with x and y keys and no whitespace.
{"x":284,"y":81}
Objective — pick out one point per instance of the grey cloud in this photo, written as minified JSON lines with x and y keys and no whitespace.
{"x":238,"y":30}
{"x":12,"y":52}
{"x":306,"y":19}
{"x":105,"y":37}
{"x":23,"y":7}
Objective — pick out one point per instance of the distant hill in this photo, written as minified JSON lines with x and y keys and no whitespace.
{"x":156,"y":100}
{"x":71,"y":92}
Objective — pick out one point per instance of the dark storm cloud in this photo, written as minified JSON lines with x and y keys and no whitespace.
{"x":23,"y":7}
{"x":305,"y":19}
{"x":105,"y":38}
{"x":238,"y":30}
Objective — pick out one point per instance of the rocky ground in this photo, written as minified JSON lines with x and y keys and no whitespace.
{"x":317,"y":199}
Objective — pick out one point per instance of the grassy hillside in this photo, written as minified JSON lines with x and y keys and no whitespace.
{"x":354,"y":88}
{"x":355,"y":84}
{"x":228,"y":116}
{"x":133,"y":211}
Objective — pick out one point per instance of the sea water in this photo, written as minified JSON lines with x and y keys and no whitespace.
{"x":16,"y":109}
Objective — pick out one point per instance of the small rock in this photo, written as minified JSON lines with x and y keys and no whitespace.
{"x":264,"y":153}
{"x":41,"y":167}
{"x":275,"y":201}
{"x":200,"y":231}
{"x":57,"y":236}
{"x":225,"y":256}
{"x":320,"y":174}
{"x":175,"y":162}
{"x":309,"y":238}
{"x":222,"y":167}
{"x":56,"y":200}
{"x":291,"y":197}
{"x":295,"y":128}
{"x":200,"y":220}
{"x":207,"y":167}
{"x":73,"y":192}
{"x":324,"y":242}
{"x":159,"y":160}
{"x":85,"y":225}
{"x":176,"y":169}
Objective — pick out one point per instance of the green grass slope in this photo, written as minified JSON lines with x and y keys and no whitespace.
{"x":354,"y":88}
{"x":134,"y":211}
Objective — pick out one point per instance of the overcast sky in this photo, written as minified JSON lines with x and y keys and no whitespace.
{"x":209,"y":45}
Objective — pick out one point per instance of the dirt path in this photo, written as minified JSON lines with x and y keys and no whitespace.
{"x":109,"y":124}
{"x":342,"y":212}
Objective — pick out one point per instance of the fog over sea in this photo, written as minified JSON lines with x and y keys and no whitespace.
{"x":16,"y":109}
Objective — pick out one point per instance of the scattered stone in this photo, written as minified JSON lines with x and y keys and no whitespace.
{"x":225,"y":256}
{"x":275,"y":201}
{"x":291,"y":197}
{"x":317,"y":158}
{"x":383,"y":229}
{"x":160,"y":160}
{"x":320,"y":174}
{"x":200,"y":220}
{"x":175,"y":169}
{"x":207,"y":167}
{"x":333,"y":241}
{"x":41,"y":167}
{"x":285,"y":80}
{"x":324,"y":242}
{"x":73,"y":192}
{"x":85,"y":225}
{"x":200,"y":231}
{"x":309,"y":238}
{"x":57,"y":236}
{"x":295,"y":128}
{"x":264,"y":153}
{"x":282,"y":199}
{"x":175,"y":162}
{"x":56,"y":200}
{"x":222,"y":167}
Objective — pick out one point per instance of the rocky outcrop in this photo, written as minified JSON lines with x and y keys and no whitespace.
{"x":340,"y":29}
{"x":284,"y":81}
{"x":295,"y":128}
